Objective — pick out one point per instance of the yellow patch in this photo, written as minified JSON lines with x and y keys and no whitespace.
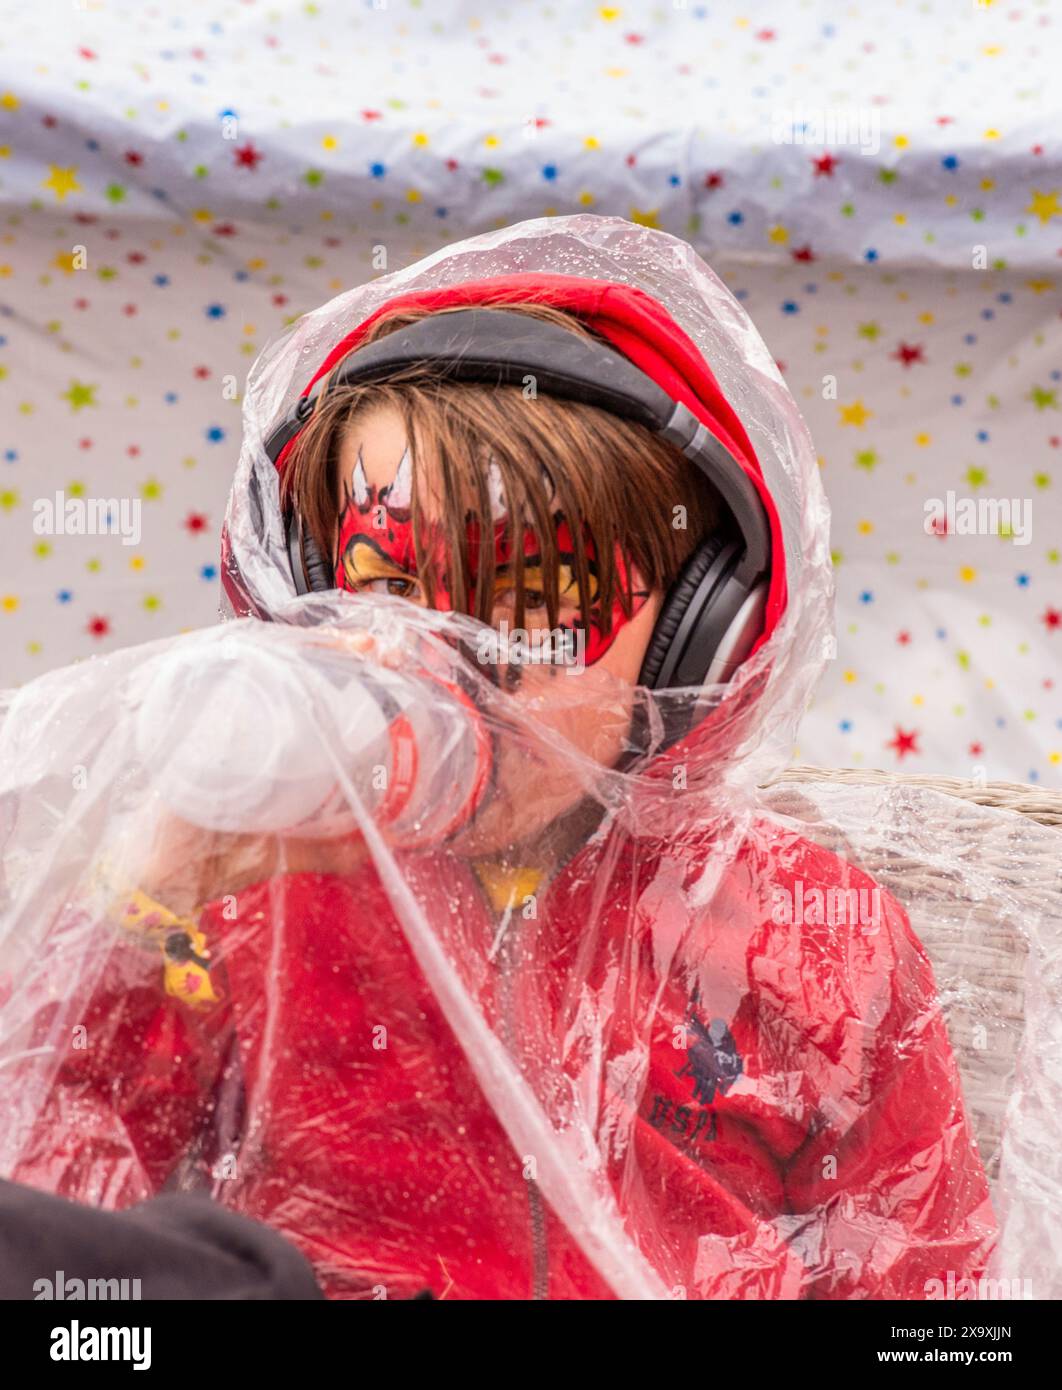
{"x":508,"y":888}
{"x":185,"y":955}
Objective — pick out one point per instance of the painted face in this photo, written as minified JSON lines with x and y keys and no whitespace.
{"x":376,"y":553}
{"x":376,"y":531}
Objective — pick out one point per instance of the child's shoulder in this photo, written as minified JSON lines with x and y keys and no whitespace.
{"x":767,"y":891}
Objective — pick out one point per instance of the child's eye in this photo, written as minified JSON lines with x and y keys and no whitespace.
{"x":400,"y":588}
{"x":533,"y":598}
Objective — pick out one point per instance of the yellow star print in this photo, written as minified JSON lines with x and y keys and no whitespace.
{"x":854,"y":414}
{"x":62,"y":181}
{"x":648,"y":218}
{"x":1045,"y":205}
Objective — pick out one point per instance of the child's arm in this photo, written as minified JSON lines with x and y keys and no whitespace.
{"x":111,"y":1089}
{"x":128,"y":1031}
{"x":891,"y":1182}
{"x":186,"y":865}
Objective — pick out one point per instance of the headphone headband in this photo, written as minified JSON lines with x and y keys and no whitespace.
{"x":493,"y":347}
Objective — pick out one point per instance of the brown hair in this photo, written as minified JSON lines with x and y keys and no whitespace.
{"x":614,"y":481}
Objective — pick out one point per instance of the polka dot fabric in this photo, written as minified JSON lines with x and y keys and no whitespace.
{"x":879,"y":184}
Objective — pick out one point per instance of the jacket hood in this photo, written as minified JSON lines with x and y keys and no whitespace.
{"x":660,"y":305}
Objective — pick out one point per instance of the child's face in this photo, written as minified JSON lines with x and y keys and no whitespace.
{"x":375,"y":551}
{"x":591,"y":711}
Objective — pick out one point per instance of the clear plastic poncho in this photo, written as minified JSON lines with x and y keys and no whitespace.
{"x":353,"y":921}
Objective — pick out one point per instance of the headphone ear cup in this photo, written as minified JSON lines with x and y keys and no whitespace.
{"x":309,"y":569}
{"x":318,"y":569}
{"x":677,"y":604}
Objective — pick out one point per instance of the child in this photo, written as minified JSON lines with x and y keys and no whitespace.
{"x":770,"y":1092}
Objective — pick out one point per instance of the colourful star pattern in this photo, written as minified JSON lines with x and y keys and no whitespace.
{"x":178,"y":186}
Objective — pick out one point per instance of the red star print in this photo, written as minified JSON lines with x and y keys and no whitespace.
{"x":247,"y":157}
{"x":945,"y":120}
{"x":713,"y":180}
{"x":825,"y":165}
{"x":195,"y":522}
{"x":976,"y":749}
{"x":907,"y":353}
{"x":633,"y":38}
{"x":225,"y":229}
{"x":202,"y":373}
{"x":99,"y":627}
{"x":765,"y":35}
{"x":904,"y":743}
{"x":372,"y":115}
{"x":134,"y":157}
{"x":903,"y":638}
{"x":1052,"y":619}
{"x":803,"y":253}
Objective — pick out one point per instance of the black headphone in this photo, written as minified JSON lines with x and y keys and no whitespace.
{"x":714,"y":611}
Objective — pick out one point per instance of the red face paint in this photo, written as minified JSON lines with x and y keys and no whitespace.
{"x":376,"y":528}
{"x":376,"y":544}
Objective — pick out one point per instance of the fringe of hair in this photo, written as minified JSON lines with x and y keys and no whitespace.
{"x":614,"y":481}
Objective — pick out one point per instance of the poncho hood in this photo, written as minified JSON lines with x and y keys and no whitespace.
{"x":652,"y":297}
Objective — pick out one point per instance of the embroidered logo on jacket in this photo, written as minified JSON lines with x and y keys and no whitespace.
{"x":712,"y":1059}
{"x":713,"y":1064}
